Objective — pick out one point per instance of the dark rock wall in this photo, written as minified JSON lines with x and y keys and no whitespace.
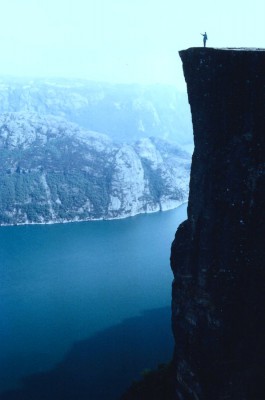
{"x":218,"y":255}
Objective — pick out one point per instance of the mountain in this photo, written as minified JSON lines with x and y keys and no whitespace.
{"x":124,"y":112}
{"x":53,"y":170}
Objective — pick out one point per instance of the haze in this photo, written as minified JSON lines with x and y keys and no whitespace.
{"x":120,"y":40}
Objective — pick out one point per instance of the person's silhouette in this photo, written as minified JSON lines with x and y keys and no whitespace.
{"x":204,"y":38}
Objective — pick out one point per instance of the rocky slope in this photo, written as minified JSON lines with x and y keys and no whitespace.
{"x":218,"y":253}
{"x":124,"y":112}
{"x":54,"y":171}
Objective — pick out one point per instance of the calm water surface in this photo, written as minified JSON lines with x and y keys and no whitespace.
{"x":62,"y":283}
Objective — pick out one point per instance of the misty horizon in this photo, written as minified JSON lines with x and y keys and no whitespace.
{"x":119,"y":41}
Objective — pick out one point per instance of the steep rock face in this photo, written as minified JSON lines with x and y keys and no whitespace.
{"x":52,"y":170}
{"x":218,"y":254}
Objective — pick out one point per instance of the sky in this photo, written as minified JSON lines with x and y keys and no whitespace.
{"x":120,"y":40}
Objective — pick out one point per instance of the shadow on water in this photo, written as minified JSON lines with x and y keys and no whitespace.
{"x":103,"y":366}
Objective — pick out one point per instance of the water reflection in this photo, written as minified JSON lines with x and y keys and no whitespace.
{"x":103,"y":366}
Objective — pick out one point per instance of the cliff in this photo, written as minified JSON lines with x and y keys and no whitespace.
{"x":218,"y":253}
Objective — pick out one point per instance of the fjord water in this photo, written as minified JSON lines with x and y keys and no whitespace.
{"x":63,"y":283}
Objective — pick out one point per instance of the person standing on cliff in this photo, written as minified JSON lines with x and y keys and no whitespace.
{"x":204,"y":38}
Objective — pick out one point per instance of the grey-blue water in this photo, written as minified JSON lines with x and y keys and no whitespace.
{"x":85,"y":290}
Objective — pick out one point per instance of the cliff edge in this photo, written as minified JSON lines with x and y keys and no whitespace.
{"x":218,"y":255}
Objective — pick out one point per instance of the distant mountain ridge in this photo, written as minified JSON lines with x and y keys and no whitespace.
{"x":124,"y":112}
{"x":53,"y":170}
